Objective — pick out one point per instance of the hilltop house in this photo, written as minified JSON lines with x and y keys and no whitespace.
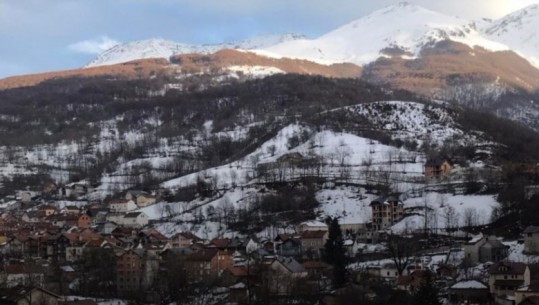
{"x":437,"y":167}
{"x":386,"y":211}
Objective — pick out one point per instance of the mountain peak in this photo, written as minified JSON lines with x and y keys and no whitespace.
{"x":404,"y":29}
{"x":161,"y":48}
{"x":518,"y":30}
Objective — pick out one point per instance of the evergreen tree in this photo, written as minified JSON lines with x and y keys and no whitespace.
{"x":427,"y":293}
{"x":334,"y":252}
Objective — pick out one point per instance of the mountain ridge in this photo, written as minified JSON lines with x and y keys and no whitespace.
{"x":161,"y":48}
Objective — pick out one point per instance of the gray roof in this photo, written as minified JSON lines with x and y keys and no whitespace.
{"x":291,"y":264}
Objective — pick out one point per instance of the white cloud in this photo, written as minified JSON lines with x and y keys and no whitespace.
{"x":94,"y":46}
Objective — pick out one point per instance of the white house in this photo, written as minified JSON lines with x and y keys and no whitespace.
{"x":122,"y":205}
{"x":134,"y":220}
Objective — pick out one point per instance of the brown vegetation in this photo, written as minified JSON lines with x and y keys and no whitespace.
{"x":450,"y":64}
{"x":188,"y":63}
{"x":227,"y":58}
{"x":143,"y":68}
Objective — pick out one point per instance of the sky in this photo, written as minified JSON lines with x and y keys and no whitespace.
{"x":38,"y":35}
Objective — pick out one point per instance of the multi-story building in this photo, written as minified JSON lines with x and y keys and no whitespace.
{"x":207,"y":264}
{"x":506,"y":277}
{"x":386,"y":211}
{"x":136,"y":270}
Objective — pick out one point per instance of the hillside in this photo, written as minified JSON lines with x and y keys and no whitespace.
{"x":122,"y":138}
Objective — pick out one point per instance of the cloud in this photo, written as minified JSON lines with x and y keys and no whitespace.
{"x":94,"y":46}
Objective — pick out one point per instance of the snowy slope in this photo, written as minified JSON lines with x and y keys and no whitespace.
{"x":160,"y":48}
{"x":403,"y":26}
{"x":518,"y":30}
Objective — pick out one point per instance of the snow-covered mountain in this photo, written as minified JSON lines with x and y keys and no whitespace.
{"x":403,"y":29}
{"x":518,"y":30}
{"x":160,"y":48}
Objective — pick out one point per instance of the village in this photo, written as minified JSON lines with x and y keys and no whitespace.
{"x":112,"y":250}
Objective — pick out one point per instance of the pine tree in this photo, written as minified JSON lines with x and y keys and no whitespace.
{"x":334,"y":252}
{"x":427,"y":293}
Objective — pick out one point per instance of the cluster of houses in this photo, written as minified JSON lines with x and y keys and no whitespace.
{"x":36,"y":238}
{"x":483,"y":275}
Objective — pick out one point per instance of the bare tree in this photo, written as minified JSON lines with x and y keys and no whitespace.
{"x":470,"y":217}
{"x":451,"y":217}
{"x":401,"y":250}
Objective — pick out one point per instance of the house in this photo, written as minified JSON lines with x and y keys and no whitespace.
{"x":71,"y":209}
{"x":122,"y":205}
{"x":311,"y":226}
{"x":144,"y":200}
{"x":134,"y":220}
{"x":132,"y":194}
{"x":175,"y":254}
{"x":386,"y":211}
{"x":469,"y":292}
{"x":290,"y":266}
{"x":288,"y":246}
{"x":506,"y":277}
{"x":208,"y":263}
{"x":14,"y":274}
{"x":312,"y":243}
{"x":291,"y":158}
{"x":184,"y":239}
{"x":389,"y":272}
{"x":482,"y":249}
{"x":136,"y":270}
{"x":21,"y":295}
{"x":366,"y":235}
{"x":351,"y":247}
{"x":526,"y":291}
{"x":73,"y":190}
{"x":47,"y":210}
{"x":437,"y":167}
{"x":531,"y":239}
{"x":284,"y":272}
